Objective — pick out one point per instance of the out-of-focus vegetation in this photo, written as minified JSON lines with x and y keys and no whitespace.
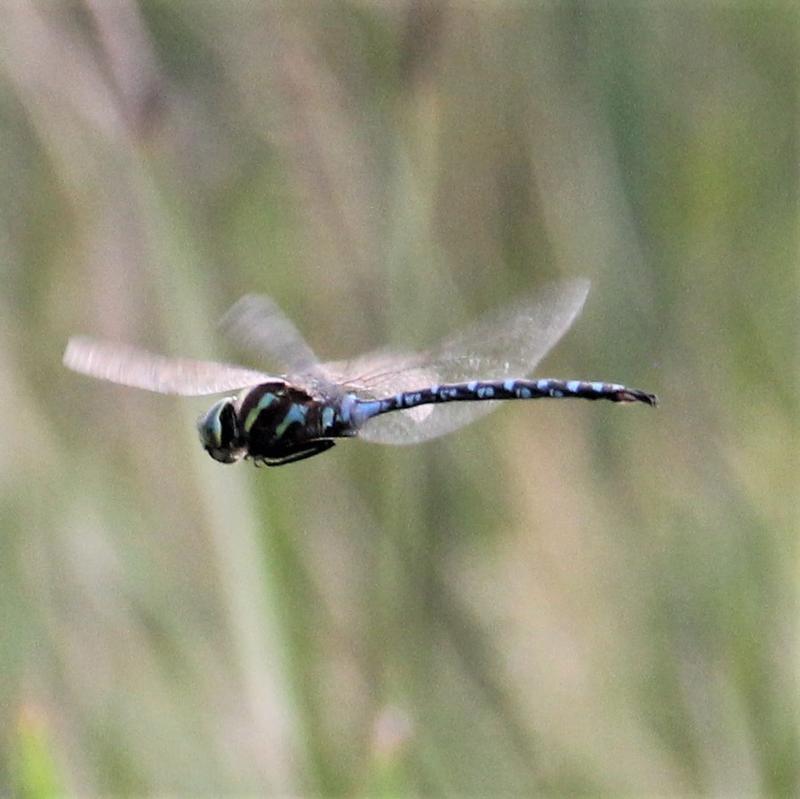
{"x":563,"y":598}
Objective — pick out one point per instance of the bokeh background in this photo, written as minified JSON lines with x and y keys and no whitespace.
{"x":564,"y":598}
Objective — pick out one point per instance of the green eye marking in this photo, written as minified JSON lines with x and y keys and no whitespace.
{"x":263,"y":403}
{"x":209,"y":426}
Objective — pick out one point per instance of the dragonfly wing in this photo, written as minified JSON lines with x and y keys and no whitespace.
{"x":129,"y":366}
{"x":379,"y":373}
{"x":508,"y":342}
{"x":260,"y":326}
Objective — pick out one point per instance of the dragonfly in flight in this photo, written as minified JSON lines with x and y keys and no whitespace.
{"x":384,"y":396}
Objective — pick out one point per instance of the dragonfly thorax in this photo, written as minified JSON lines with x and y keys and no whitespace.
{"x":220,"y":433}
{"x":271,"y":423}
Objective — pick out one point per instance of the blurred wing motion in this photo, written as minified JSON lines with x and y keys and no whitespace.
{"x":506,"y":343}
{"x":130,"y":366}
{"x":257,"y":324}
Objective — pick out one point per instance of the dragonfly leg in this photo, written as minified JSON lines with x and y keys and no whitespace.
{"x":297,"y":453}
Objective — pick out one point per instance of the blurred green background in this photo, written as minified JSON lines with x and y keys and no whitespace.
{"x":564,"y":598}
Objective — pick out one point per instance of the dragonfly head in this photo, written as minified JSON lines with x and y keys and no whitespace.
{"x":219,"y":432}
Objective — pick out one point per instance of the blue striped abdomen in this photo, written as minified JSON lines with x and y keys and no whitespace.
{"x":477,"y":390}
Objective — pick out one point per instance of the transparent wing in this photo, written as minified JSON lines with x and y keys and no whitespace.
{"x":256,"y":323}
{"x":379,"y":373}
{"x":130,"y":366}
{"x":508,"y":342}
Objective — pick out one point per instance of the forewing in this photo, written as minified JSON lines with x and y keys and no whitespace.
{"x":508,"y":342}
{"x":129,"y":366}
{"x":257,"y":323}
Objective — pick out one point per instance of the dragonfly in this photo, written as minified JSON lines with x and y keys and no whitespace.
{"x":386,"y":396}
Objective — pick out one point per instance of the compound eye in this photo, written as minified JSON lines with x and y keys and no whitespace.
{"x":219,"y":431}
